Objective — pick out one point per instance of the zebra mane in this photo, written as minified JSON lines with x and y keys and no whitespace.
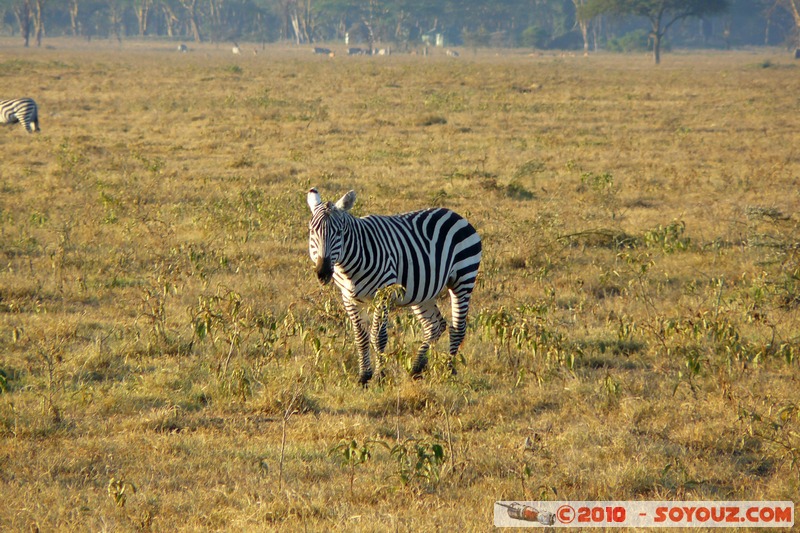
{"x":330,"y":209}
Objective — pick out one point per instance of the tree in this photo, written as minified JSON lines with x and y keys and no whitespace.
{"x":38,"y":21}
{"x":583,"y":24}
{"x":116,"y":11}
{"x":661,"y":13}
{"x":171,"y":20}
{"x":142,"y":10}
{"x":193,"y":15}
{"x":73,"y":7}
{"x":793,"y":7}
{"x":22,"y":12}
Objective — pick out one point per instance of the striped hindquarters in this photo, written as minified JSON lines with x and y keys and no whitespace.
{"x":22,"y":110}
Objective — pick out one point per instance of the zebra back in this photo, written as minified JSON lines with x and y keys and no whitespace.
{"x":428,"y":251}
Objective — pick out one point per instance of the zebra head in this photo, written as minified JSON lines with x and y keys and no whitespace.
{"x":326,"y":231}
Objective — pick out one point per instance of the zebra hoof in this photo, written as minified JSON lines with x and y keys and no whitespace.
{"x":418,"y":367}
{"x":416,"y":371}
{"x":363,"y":379}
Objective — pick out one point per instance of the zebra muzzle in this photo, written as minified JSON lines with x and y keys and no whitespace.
{"x":324,"y":270}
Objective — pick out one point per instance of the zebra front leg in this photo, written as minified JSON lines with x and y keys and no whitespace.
{"x":459,"y":307}
{"x":362,"y":341}
{"x":433,"y":325}
{"x":379,"y":336}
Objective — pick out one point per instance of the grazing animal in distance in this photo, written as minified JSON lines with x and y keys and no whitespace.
{"x":22,"y":110}
{"x":323,"y":51}
{"x":183,"y":48}
{"x":423,"y":251}
{"x":236,"y":50}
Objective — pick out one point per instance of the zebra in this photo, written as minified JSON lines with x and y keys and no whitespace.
{"x":423,"y":251}
{"x":22,"y":110}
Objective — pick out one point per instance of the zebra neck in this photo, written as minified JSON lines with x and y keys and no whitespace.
{"x":353,"y":246}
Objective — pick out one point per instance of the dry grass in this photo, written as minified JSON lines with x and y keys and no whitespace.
{"x":169,"y":362}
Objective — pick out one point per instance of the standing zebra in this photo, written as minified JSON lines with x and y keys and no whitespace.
{"x":424,"y":252}
{"x":22,"y":110}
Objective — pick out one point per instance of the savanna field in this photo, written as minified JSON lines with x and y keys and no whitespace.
{"x":169,"y":361}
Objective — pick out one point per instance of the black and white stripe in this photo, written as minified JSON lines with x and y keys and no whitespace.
{"x":424,"y":252}
{"x":22,"y":110}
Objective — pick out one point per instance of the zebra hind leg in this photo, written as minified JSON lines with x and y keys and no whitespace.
{"x":460,"y":307}
{"x":380,"y":337}
{"x":434,"y":325}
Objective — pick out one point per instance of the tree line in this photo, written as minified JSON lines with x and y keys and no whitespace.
{"x":404,"y":24}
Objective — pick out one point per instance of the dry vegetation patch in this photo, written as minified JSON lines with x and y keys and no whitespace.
{"x":168,"y":361}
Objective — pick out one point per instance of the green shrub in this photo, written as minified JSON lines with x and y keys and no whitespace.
{"x":635,"y":41}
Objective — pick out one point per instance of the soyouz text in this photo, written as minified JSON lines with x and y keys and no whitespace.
{"x":645,"y":514}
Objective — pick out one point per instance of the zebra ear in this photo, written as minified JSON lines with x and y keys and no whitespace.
{"x":347,"y":201}
{"x":313,"y":198}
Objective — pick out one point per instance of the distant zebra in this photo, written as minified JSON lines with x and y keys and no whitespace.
{"x":323,"y":51}
{"x":423,"y":251}
{"x":22,"y":110}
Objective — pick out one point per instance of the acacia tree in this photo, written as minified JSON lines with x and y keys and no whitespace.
{"x":793,"y":7}
{"x":169,"y":10}
{"x":193,"y":16}
{"x":38,"y":21}
{"x":662,"y":14}
{"x":73,"y":7}
{"x":142,"y":10}
{"x":583,"y":24}
{"x":22,"y":12}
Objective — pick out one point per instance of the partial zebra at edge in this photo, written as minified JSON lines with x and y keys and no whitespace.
{"x":424,"y":252}
{"x":22,"y":110}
